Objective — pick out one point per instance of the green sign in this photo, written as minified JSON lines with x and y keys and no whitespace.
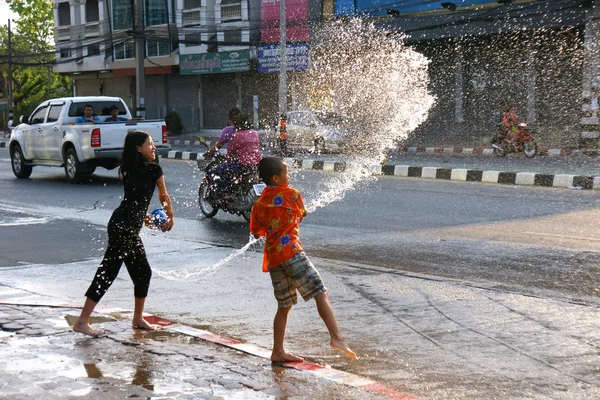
{"x":214,"y":63}
{"x":3,"y":106}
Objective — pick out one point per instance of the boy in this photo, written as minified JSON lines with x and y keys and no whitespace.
{"x":276,"y":214}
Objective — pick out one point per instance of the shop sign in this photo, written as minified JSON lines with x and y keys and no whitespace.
{"x":297,"y":57}
{"x":214,"y":63}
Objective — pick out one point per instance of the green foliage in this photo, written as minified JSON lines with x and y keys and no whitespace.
{"x":174,"y":123}
{"x":33,"y":55}
{"x":35,"y":22}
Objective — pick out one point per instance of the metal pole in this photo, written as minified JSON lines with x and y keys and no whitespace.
{"x":140,"y":79}
{"x":282,"y":78}
{"x":10,"y":81}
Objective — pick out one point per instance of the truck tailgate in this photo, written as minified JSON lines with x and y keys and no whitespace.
{"x":112,"y":135}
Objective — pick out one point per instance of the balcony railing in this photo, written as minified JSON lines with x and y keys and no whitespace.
{"x":231,"y":12}
{"x":63,"y":33}
{"x":92,"y":29}
{"x":191,"y":17}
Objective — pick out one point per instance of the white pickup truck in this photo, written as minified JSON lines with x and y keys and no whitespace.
{"x":55,"y":136}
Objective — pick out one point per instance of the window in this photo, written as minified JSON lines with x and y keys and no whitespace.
{"x":124,"y":51}
{"x":158,"y":48}
{"x":122,"y":14}
{"x":233,"y":36}
{"x":65,"y":53}
{"x":64,"y":14}
{"x":189,"y":4}
{"x":156,"y":12}
{"x":91,"y":11}
{"x":193,"y":39}
{"x":93,"y":49}
{"x":54,"y":113}
{"x":100,"y":108}
{"x":38,"y":116}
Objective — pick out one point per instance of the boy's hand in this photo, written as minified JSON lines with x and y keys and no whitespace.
{"x":148,"y":221}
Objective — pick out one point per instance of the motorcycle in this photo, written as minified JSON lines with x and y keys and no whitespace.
{"x":523,"y":142}
{"x":246,"y":190}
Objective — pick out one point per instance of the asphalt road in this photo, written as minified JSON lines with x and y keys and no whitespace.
{"x":531,"y":240}
{"x":416,"y":268}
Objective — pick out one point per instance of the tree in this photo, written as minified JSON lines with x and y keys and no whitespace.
{"x":33,"y":56}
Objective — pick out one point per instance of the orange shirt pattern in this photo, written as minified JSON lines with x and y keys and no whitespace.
{"x":275,"y":215}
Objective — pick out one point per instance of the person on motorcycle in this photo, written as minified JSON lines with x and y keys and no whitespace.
{"x":510,"y":121}
{"x":242,"y":158}
{"x":226,"y":134}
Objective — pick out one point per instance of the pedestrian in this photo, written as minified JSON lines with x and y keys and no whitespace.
{"x":140,"y":175}
{"x":276,"y":215}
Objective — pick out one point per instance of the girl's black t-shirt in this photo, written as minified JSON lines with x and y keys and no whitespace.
{"x":139,"y":187}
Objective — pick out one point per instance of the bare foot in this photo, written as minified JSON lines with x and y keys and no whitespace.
{"x":342,"y":346}
{"x":86,"y":329}
{"x":285,"y":357}
{"x":142,"y":324}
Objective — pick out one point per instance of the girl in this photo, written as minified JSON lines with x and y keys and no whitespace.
{"x":140,"y":176}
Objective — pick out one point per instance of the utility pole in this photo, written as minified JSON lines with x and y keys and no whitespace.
{"x":10,"y":81}
{"x":140,"y":78}
{"x":282,"y":78}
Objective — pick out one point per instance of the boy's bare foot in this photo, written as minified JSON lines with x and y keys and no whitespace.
{"x":86,"y":329}
{"x":142,"y":324}
{"x":285,"y":357}
{"x":342,"y":346}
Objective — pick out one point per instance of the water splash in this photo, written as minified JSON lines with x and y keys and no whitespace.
{"x":195,"y":273}
{"x":379,"y":85}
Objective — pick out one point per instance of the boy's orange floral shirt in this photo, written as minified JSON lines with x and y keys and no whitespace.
{"x":275,"y":215}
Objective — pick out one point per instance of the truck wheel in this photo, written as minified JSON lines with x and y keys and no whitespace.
{"x":20,"y":169}
{"x":73,"y":168}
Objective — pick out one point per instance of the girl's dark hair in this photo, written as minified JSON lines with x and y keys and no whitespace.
{"x":242,"y":122}
{"x":268,"y":167}
{"x":131,"y":159}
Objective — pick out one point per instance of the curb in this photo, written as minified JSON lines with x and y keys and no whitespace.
{"x":566,"y":181}
{"x":326,"y":372}
{"x":447,"y":150}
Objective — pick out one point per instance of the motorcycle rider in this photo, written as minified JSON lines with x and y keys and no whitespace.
{"x":510,"y":122}
{"x":226,"y":134}
{"x":242,"y":158}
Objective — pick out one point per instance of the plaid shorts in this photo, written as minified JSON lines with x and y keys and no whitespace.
{"x":297,"y":273}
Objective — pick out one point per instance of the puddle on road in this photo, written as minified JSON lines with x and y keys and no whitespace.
{"x":166,"y":337}
{"x":72,"y":319}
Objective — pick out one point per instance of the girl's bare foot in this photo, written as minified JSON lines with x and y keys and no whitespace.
{"x":285,"y":357}
{"x":342,"y":346}
{"x":142,"y":324}
{"x":86,"y":329}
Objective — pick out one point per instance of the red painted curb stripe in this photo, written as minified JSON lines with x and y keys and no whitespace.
{"x":387,"y":391}
{"x":154,"y":320}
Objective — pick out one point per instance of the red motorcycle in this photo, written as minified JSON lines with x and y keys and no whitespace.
{"x":520,"y":142}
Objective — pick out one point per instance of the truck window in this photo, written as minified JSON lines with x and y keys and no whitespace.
{"x":38,"y":116}
{"x":54,"y":113}
{"x":101,"y":108}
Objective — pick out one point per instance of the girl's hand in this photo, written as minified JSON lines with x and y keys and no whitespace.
{"x":167,"y":226}
{"x":148,"y":221}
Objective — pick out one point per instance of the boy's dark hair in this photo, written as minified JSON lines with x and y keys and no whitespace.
{"x":88,"y":105}
{"x":268,"y":167}
{"x":242,"y":122}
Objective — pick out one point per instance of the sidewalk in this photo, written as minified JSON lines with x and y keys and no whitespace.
{"x":43,"y":358}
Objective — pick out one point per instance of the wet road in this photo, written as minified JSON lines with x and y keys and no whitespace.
{"x":476,"y":244}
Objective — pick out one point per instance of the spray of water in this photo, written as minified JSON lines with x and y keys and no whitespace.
{"x":379,"y":86}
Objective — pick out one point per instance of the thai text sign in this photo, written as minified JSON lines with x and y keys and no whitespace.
{"x":214,"y":63}
{"x":297,"y":57}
